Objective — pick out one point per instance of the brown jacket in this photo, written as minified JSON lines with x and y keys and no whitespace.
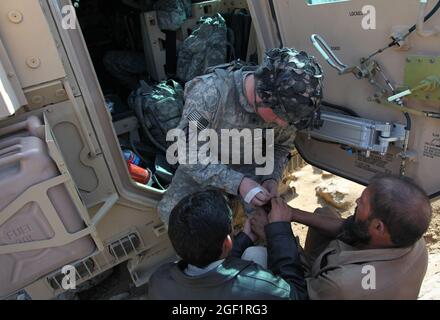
{"x":344,"y":272}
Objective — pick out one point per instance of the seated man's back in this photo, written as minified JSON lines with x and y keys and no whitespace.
{"x":232,"y":279}
{"x":344,"y":272}
{"x":211,"y":268}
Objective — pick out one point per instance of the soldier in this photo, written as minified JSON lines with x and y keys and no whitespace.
{"x":283,"y":94}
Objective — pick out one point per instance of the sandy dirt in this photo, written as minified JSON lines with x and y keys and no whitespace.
{"x":432,"y":237}
{"x":307,"y":180}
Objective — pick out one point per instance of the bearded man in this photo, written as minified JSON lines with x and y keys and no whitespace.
{"x":378,"y":253}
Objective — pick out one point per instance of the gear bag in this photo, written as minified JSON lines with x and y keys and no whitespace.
{"x":158,"y":108}
{"x":171,"y":14}
{"x":239,"y":21}
{"x":205,"y":47}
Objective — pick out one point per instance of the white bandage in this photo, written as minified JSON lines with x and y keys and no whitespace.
{"x":252,"y":193}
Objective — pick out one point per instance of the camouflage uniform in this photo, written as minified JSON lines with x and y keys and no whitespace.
{"x":204,"y":96}
{"x":218,"y":101}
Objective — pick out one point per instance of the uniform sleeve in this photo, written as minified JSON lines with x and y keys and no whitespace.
{"x":284,"y":144}
{"x":201,"y":100}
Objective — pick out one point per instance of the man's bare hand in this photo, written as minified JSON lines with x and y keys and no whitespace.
{"x":280,"y":211}
{"x":258,"y":221}
{"x":272,"y":186}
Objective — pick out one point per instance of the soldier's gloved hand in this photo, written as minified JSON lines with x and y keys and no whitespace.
{"x":272,"y":186}
{"x":260,"y":198}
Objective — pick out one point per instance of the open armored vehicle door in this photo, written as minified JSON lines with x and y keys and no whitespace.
{"x":363,"y":134}
{"x":67,"y":196}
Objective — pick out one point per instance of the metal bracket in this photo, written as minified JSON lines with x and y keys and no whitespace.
{"x":329,"y":56}
{"x":363,"y":134}
{"x":368,"y":69}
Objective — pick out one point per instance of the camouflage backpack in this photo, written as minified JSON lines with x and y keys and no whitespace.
{"x":205,"y":47}
{"x":172,"y":13}
{"x":158,"y":108}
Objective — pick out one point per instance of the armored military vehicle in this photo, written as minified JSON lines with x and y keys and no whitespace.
{"x":70,"y":199}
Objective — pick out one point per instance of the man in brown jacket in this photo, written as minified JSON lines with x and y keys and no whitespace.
{"x":378,"y":253}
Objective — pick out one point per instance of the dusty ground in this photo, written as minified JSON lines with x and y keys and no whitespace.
{"x":432,"y":237}
{"x":303,"y":183}
{"x":306,"y":181}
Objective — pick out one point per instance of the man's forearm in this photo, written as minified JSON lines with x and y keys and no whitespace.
{"x":328,"y":226}
{"x":241,"y":242}
{"x":283,"y":257}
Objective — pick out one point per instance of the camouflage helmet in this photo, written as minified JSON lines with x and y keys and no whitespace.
{"x":290,"y":82}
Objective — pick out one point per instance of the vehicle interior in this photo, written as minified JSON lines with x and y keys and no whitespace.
{"x":129,"y":31}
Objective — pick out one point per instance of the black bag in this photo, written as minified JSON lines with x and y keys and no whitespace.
{"x":239,"y":23}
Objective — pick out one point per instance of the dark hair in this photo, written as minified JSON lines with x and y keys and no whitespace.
{"x":198,"y":226}
{"x":402,"y":206}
